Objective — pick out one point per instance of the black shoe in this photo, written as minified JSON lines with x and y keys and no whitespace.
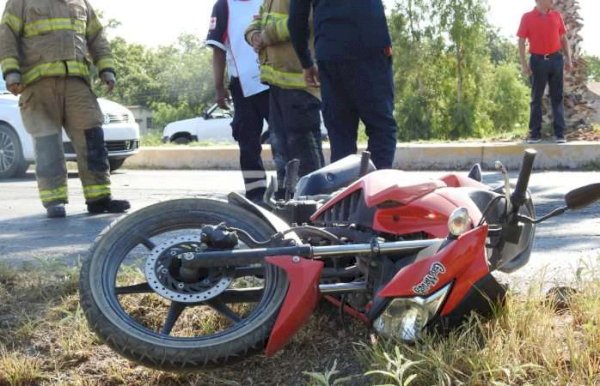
{"x":561,"y":139}
{"x":56,"y":211}
{"x":108,"y":205}
{"x":533,"y":139}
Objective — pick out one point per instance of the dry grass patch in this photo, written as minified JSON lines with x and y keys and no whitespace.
{"x":44,"y":340}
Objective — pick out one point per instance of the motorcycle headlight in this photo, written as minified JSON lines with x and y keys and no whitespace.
{"x":459,"y":222}
{"x":405,"y":318}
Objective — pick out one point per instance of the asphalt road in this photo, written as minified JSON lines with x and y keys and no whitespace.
{"x":26,"y":234}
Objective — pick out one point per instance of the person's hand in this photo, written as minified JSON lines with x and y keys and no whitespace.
{"x":568,"y":65}
{"x":109,"y":79}
{"x":222,"y":98}
{"x":526,"y":70}
{"x":13,"y":83}
{"x":311,"y":76}
{"x":257,"y":41}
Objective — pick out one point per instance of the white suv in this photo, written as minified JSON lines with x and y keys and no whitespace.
{"x":121,"y":134}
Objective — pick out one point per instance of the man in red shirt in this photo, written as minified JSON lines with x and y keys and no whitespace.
{"x":545,"y":31}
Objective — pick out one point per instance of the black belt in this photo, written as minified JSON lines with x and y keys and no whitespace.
{"x":547,"y":56}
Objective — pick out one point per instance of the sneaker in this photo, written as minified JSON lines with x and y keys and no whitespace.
{"x":561,"y":139}
{"x":56,"y":211}
{"x":108,"y":205}
{"x":534,"y":140}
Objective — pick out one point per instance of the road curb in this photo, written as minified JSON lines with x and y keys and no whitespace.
{"x":443,"y":156}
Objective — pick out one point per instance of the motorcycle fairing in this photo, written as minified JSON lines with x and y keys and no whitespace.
{"x":301,"y":299}
{"x":383,"y":186}
{"x":462,"y":261}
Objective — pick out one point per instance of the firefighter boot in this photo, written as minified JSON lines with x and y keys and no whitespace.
{"x":108,"y":205}
{"x":56,"y":211}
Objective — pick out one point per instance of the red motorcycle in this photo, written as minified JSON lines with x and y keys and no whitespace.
{"x":191,"y":283}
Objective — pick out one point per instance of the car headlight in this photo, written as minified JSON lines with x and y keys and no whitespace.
{"x":405,"y":318}
{"x":459,"y":222}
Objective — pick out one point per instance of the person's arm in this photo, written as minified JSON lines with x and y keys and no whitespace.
{"x":253,"y":34}
{"x":564,"y":40}
{"x":523,"y":57}
{"x":566,"y":47}
{"x":217,"y":39}
{"x":299,"y":30}
{"x":100,"y":49}
{"x":219,"y":64}
{"x":523,"y":34}
{"x":11,"y":30}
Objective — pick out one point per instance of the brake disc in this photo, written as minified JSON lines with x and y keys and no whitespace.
{"x":162,"y":272}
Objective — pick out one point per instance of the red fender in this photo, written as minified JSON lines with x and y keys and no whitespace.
{"x":302,"y":296}
{"x":463,"y":261}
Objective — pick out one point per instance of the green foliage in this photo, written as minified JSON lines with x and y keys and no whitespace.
{"x":455,"y":76}
{"x":593,"y":68}
{"x":175,"y":81}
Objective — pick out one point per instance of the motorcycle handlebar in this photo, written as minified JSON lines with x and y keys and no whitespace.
{"x":519,"y":195}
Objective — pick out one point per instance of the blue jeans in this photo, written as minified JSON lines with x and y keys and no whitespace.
{"x":547,"y":71}
{"x":360,"y":89}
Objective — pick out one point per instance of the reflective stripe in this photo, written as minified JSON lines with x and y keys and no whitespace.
{"x":96,"y":191}
{"x":44,"y":26}
{"x":9,"y":64}
{"x":105,"y":63}
{"x":281,"y":78}
{"x":50,"y":195}
{"x":15,"y":23}
{"x":69,"y":67}
{"x":254,"y":174}
{"x":255,"y":185}
{"x":93,"y":27}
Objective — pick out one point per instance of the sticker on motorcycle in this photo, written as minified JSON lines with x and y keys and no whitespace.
{"x":430,"y":280}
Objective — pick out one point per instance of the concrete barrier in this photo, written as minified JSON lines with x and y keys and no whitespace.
{"x":442,"y":156}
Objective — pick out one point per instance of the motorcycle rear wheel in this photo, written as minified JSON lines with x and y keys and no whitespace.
{"x":130,"y":317}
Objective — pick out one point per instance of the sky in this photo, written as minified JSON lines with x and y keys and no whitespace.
{"x":160,"y":22}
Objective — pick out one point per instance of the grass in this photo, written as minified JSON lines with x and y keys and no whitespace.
{"x":44,"y":339}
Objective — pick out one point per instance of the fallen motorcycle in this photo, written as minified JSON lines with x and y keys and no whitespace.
{"x":192,"y":283}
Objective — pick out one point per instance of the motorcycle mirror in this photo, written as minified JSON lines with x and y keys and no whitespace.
{"x":583,"y":196}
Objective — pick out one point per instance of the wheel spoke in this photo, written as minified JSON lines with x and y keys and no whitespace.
{"x":141,"y":288}
{"x":241,"y":295}
{"x":145,"y":241}
{"x":175,"y":311}
{"x":224,"y":310}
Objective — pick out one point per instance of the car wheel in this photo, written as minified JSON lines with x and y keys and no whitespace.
{"x":182,"y":140}
{"x":12,"y":162}
{"x":116,"y":164}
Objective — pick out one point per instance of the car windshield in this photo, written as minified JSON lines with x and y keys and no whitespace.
{"x":2,"y":86}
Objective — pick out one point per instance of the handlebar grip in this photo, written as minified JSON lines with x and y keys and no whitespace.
{"x":518,"y":197}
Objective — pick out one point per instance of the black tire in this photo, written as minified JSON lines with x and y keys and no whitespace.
{"x":182,"y":140}
{"x":12,"y":162}
{"x":108,"y":319}
{"x":116,"y":163}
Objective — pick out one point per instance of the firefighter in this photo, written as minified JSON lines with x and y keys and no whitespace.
{"x":354,"y":68}
{"x":250,"y":97}
{"x":295,"y":108}
{"x":45,"y":49}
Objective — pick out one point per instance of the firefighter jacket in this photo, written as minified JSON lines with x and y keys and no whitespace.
{"x":279,"y":64}
{"x":45,"y":38}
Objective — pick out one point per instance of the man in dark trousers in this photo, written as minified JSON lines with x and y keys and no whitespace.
{"x":250,"y":97}
{"x":545,"y":31}
{"x":354,"y":68}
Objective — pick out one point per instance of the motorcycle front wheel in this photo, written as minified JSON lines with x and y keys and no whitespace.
{"x":138,"y":302}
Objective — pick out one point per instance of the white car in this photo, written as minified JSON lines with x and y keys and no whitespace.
{"x":214,"y":126}
{"x":121,"y":135}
